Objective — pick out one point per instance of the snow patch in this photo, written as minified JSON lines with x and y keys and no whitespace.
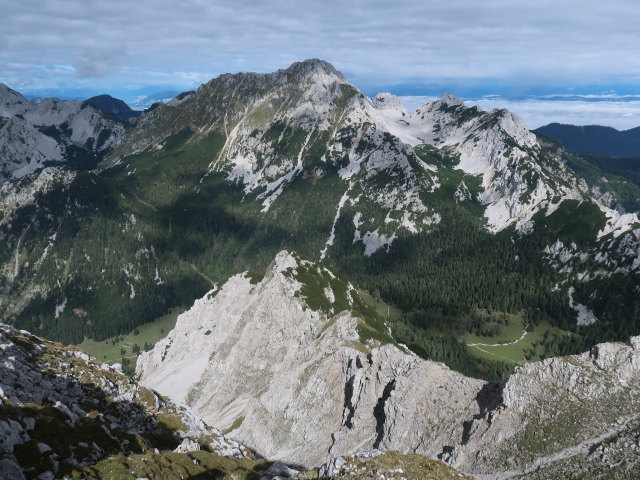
{"x":60,"y":308}
{"x":585,"y":316}
{"x":332,"y":235}
{"x":374,"y":241}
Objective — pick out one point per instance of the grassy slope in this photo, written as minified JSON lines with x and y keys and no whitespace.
{"x":201,"y":465}
{"x":527,"y":349}
{"x":173,"y":466}
{"x":508,"y":332}
{"x":110,"y":350}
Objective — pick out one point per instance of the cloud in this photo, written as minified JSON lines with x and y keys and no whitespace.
{"x":536,"y":113}
{"x":99,"y":62}
{"x":513,"y":44}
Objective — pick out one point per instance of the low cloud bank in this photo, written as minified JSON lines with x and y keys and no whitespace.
{"x":621,"y":113}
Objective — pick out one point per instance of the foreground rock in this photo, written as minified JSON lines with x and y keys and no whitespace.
{"x":296,"y":367}
{"x":61,"y":411}
{"x":63,"y":415}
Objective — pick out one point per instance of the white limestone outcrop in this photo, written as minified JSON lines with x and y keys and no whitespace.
{"x":300,"y":386}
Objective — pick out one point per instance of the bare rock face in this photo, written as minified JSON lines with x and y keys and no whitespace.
{"x":298,"y":384}
{"x":301,"y":384}
{"x":560,"y":413}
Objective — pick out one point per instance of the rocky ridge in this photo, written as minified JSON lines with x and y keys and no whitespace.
{"x":256,"y":357}
{"x":332,"y":115}
{"x":517,"y":178}
{"x":308,"y":121}
{"x":65,"y":415}
{"x":309,"y":382}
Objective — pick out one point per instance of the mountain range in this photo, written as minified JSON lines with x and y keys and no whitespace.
{"x":449,"y":234}
{"x":595,"y":139}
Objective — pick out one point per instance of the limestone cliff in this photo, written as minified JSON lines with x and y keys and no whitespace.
{"x":292,"y":366}
{"x":298,"y":384}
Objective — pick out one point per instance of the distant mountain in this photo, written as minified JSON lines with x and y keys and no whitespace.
{"x":52,"y":132}
{"x":37,"y":98}
{"x":113,"y":106}
{"x":595,"y":139}
{"x":33,"y":99}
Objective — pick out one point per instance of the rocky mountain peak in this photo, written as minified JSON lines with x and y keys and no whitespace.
{"x":313,"y":66}
{"x":386,"y":100}
{"x":518,"y":178}
{"x":451,"y":100}
{"x":292,"y":345}
{"x":514,"y":125}
{"x":305,"y":122}
{"x":284,"y":260}
{"x":52,"y":131}
{"x":299,"y":75}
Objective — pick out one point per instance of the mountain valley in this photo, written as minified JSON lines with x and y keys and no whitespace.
{"x":353,"y":279}
{"x":359,"y":190}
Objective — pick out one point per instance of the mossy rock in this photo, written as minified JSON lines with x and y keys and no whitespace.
{"x":173,"y":466}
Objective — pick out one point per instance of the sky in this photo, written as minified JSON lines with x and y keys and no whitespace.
{"x":549,"y":60}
